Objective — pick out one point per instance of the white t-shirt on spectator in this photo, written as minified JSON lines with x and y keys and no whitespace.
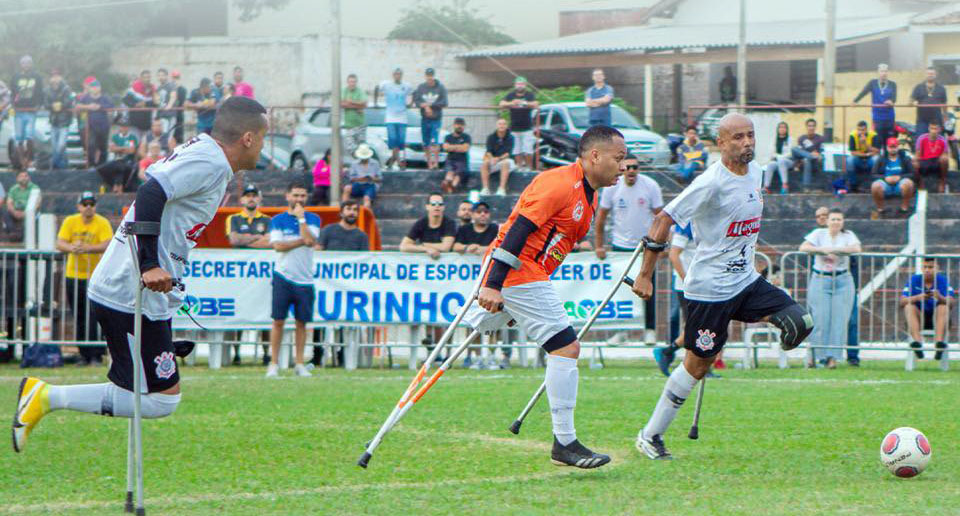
{"x":631,"y":209}
{"x":194,"y":178}
{"x":395,"y":96}
{"x":820,"y":237}
{"x":725,"y":210}
{"x":295,"y":265}
{"x":689,"y":246}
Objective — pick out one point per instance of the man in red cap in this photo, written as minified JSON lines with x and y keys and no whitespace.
{"x":894,"y":169}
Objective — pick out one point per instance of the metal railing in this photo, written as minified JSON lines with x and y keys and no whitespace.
{"x":875,"y":304}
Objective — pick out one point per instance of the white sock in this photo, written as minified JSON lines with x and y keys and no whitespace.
{"x":109,"y":400}
{"x":674,"y":394}
{"x":562,"y":378}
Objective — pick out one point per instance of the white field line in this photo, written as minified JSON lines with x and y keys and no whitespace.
{"x":507,"y":376}
{"x":180,"y":501}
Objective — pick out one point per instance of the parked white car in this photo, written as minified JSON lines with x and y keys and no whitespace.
{"x":573,"y":118}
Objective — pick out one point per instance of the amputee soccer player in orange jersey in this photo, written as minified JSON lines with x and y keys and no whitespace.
{"x":553,"y":213}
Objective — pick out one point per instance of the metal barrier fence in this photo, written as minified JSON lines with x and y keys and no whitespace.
{"x":44,"y":302}
{"x":869,"y":298}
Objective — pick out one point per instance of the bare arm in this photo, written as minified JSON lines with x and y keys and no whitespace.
{"x":289,"y":245}
{"x":64,"y":246}
{"x":459,"y":248}
{"x":599,"y":229}
{"x":239,"y":239}
{"x":306,"y":235}
{"x":260,"y":242}
{"x":674,"y":256}
{"x":807,"y":247}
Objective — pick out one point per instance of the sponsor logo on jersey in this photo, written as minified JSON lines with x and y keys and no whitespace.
{"x":194,"y":233}
{"x":578,"y":211}
{"x":166,"y":365}
{"x":742,"y":228}
{"x":705,"y":340}
{"x":551,"y":249}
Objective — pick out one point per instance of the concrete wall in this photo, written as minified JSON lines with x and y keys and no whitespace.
{"x":940,"y":45}
{"x":289,"y":71}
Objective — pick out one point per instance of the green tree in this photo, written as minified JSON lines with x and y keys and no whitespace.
{"x":455,"y":22}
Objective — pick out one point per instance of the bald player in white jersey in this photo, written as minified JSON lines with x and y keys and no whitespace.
{"x":725,"y":207}
{"x":182,"y":195}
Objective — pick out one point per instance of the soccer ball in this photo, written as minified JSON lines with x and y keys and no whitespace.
{"x":905,"y":452}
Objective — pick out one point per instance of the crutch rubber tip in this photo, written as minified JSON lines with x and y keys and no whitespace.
{"x":128,"y":506}
{"x":364,"y":460}
{"x":141,"y":511}
{"x":694,"y":433}
{"x":515,"y":427}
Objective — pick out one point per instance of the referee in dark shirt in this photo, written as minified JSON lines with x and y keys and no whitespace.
{"x":250,"y":229}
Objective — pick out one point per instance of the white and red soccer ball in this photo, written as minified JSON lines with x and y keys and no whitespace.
{"x":905,"y":452}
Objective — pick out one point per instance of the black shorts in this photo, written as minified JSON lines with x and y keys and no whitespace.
{"x":460,"y":168}
{"x":287,"y":294}
{"x":682,"y":301}
{"x":705,"y":331}
{"x":156,"y":349}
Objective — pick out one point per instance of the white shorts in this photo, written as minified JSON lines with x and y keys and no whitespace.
{"x":523,"y":142}
{"x":534,"y":306}
{"x":495,"y":164}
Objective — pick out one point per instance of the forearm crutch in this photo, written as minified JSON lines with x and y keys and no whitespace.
{"x":422,"y":372}
{"x":135,"y":436}
{"x":695,"y":428}
{"x":515,"y":427}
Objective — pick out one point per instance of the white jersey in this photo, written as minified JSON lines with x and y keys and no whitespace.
{"x":295,"y":265}
{"x":194,"y":178}
{"x":683,"y":239}
{"x":820,"y":237}
{"x":725,"y":211}
{"x":396,"y":98}
{"x":631,"y":208}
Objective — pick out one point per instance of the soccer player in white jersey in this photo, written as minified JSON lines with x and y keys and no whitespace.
{"x":182,"y":195}
{"x":724,"y":206}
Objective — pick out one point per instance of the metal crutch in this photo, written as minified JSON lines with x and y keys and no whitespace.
{"x":135,"y":448}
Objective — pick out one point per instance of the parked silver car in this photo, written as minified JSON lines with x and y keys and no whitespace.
{"x":312,"y":137}
{"x":573,"y":118}
{"x":41,"y":143}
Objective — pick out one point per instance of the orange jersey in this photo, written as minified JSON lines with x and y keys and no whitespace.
{"x":556,"y":202}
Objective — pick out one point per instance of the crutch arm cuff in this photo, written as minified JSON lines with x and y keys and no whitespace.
{"x":148,"y":210}
{"x":506,"y":257}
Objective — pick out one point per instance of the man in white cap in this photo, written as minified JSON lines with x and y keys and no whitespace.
{"x":364,"y":176}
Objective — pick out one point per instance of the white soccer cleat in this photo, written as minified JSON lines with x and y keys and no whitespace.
{"x":653,"y":447}
{"x":272,"y":371}
{"x":301,"y":370}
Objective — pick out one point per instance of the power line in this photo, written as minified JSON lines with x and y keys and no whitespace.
{"x":79,"y":7}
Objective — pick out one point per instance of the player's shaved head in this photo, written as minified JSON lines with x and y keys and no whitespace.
{"x":236,"y":116}
{"x":240,"y":127}
{"x":597,"y":135}
{"x":736,"y":140}
{"x":602,"y":155}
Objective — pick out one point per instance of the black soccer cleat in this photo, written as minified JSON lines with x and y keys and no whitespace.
{"x":941,"y":345}
{"x":653,"y":447}
{"x":576,"y":455}
{"x":916,"y":345}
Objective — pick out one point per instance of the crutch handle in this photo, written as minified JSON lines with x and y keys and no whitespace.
{"x":628,"y":281}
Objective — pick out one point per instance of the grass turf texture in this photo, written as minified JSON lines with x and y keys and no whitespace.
{"x":771,"y":442}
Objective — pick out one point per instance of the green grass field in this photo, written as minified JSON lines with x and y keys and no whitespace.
{"x":772,"y":442}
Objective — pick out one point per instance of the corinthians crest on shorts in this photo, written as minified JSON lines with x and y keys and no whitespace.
{"x":705,"y":340}
{"x":166,"y":365}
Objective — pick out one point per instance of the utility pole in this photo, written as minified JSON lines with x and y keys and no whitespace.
{"x":829,"y":67}
{"x":335,"y":129}
{"x":742,"y":58}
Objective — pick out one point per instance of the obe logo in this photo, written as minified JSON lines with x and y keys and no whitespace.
{"x":705,"y":340}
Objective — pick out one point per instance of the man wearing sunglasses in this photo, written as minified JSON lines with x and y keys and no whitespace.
{"x":633,"y":202}
{"x":432,"y":234}
{"x":84,"y":236}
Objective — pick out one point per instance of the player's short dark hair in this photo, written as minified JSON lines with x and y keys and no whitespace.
{"x":862,"y":123}
{"x":238,"y":67}
{"x":934,"y":122}
{"x":296,"y":184}
{"x":438,"y":194}
{"x":144,"y":71}
{"x":810,"y":120}
{"x":352,"y":76}
{"x":349,"y":202}
{"x":164,"y":70}
{"x":596,"y":135}
{"x":929,"y":259}
{"x":237,"y":116}
{"x":835,"y":210}
{"x":217,"y":73}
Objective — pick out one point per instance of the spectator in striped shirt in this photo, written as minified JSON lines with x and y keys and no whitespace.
{"x":932,"y":155}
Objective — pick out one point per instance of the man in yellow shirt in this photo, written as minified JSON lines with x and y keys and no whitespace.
{"x":84,"y":236}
